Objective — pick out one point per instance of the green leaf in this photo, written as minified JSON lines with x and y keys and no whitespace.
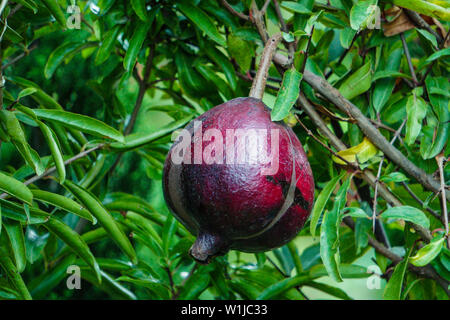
{"x":30,"y":4}
{"x":34,"y":243}
{"x":427,"y":253}
{"x":211,"y":75}
{"x":438,"y":54}
{"x":241,"y":50}
{"x":80,"y":122}
{"x":55,"y":149}
{"x":136,"y":42}
{"x":14,"y":276}
{"x":384,"y":87}
{"x":58,"y":55}
{"x":394,"y":177}
{"x":13,"y":128}
{"x":15,"y":188}
{"x":16,"y":212}
{"x":137,"y":140}
{"x":321,"y":202}
{"x":64,"y":203}
{"x":107,"y":45}
{"x":74,"y":241}
{"x":104,"y":218}
{"x":416,"y":110}
{"x":346,"y":36}
{"x":333,"y":291}
{"x":26,"y":92}
{"x":195,"y":285}
{"x":407,"y":213}
{"x":431,"y":147}
{"x":355,"y":212}
{"x":224,"y":63}
{"x":201,"y":20}
{"x":287,"y":96}
{"x":361,"y":13}
{"x":44,"y":284}
{"x":428,"y":36}
{"x":393,"y":289}
{"x":139,"y":8}
{"x":312,"y":21}
{"x":329,"y":233}
{"x":389,"y":74}
{"x":283,"y":286}
{"x":39,"y":96}
{"x":295,"y":7}
{"x":17,"y":240}
{"x":359,"y":82}
{"x":425,"y":7}
{"x":55,"y":10}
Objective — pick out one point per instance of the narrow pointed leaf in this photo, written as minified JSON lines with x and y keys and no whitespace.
{"x":288,"y":94}
{"x":74,"y":241}
{"x":407,"y":213}
{"x":79,"y":122}
{"x":15,"y":188}
{"x":63,"y":203}
{"x":427,"y":253}
{"x":104,"y":218}
{"x":321,"y":202}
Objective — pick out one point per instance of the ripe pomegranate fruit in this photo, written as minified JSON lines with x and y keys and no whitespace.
{"x":251,"y":206}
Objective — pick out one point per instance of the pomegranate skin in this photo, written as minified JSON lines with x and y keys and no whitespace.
{"x":235,"y":206}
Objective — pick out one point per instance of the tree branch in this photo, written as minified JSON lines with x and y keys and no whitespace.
{"x":366,"y":174}
{"x":259,"y":82}
{"x":333,"y":95}
{"x":422,"y":24}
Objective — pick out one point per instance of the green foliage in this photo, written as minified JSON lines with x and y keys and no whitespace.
{"x":88,"y":114}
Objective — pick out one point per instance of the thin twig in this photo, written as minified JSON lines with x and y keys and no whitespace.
{"x":309,"y":132}
{"x":440,"y":160}
{"x":307,"y":50}
{"x":142,"y":89}
{"x":342,"y":57}
{"x":415,"y":197}
{"x":284,"y":28}
{"x":20,"y":56}
{"x":375,"y":196}
{"x":234,"y":12}
{"x":53,"y":169}
{"x":408,"y":58}
{"x":264,"y":7}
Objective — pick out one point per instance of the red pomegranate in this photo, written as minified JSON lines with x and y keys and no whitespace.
{"x":235,"y":205}
{"x":238,"y":180}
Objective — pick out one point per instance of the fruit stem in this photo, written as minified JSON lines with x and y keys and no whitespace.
{"x":259,"y":82}
{"x":208,"y":245}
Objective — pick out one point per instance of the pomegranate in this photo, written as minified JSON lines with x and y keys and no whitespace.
{"x":234,"y":205}
{"x":251,"y":191}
